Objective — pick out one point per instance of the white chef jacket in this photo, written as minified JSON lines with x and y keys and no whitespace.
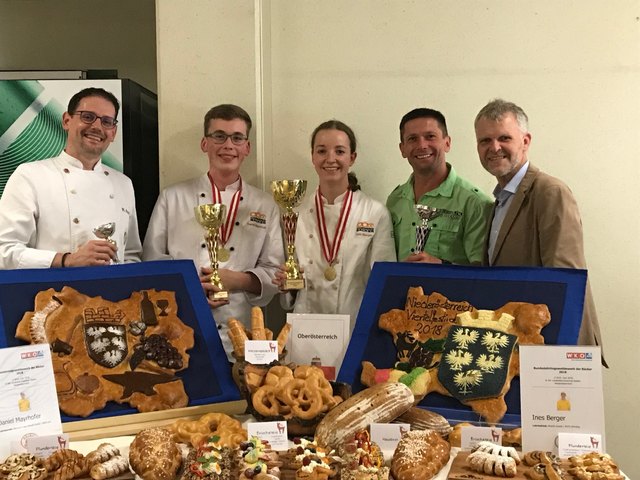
{"x":53,"y":205}
{"x":368,"y":238}
{"x":255,"y":244}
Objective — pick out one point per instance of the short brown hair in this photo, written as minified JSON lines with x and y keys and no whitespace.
{"x":227,"y":111}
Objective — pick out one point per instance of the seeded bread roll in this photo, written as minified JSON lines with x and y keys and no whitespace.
{"x":420,"y":455}
{"x":154,"y":455}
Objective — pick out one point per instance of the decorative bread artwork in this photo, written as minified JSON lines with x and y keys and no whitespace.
{"x":419,"y":454}
{"x":154,"y":455}
{"x":127,"y":351}
{"x":454,"y":349}
{"x":381,"y":403}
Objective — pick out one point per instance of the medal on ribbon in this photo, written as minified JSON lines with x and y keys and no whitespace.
{"x":227,"y":227}
{"x":330,"y":248}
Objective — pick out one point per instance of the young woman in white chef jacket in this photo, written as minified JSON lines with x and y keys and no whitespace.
{"x":341,"y":231}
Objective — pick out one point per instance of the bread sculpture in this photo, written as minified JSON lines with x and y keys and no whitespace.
{"x":419,"y":455}
{"x":454,"y":349}
{"x":127,"y":351}
{"x":154,"y":455}
{"x":381,"y":403}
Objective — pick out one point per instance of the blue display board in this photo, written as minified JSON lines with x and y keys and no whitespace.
{"x":208,"y":378}
{"x":487,"y":288}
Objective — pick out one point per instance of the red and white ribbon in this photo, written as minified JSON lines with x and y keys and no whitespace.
{"x":232,"y":211}
{"x":330,"y":248}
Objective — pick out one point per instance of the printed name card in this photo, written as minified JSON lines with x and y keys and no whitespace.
{"x":260,"y":352}
{"x":318,"y":339}
{"x":387,"y":435}
{"x":45,"y":445}
{"x":561,"y":392}
{"x":29,"y":402}
{"x":471,"y":436}
{"x":273,"y":432}
{"x":570,"y":444}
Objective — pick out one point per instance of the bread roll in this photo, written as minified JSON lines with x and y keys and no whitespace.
{"x":154,"y":455}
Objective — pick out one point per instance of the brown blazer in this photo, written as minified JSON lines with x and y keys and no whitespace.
{"x":542,"y":228}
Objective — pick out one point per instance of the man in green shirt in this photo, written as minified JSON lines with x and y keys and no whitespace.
{"x":459,"y":230}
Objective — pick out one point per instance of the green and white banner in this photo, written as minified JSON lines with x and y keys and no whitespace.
{"x":31,"y":121}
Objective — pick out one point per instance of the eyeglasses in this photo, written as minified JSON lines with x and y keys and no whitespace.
{"x":220,"y":137}
{"x":90,"y":117}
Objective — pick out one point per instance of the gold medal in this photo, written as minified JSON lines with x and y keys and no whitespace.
{"x":330,"y":273}
{"x":223,"y":254}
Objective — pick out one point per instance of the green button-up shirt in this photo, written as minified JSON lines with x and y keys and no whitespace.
{"x":457,"y":234}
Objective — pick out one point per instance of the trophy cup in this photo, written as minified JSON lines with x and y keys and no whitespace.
{"x":423,"y":230}
{"x":211,"y":217}
{"x":288,"y":194}
{"x":104,"y":232}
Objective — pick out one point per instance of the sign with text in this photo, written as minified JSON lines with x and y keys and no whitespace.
{"x":273,"y":432}
{"x":261,"y":352}
{"x":387,"y":436}
{"x":570,"y":444}
{"x":29,"y":402}
{"x":318,"y":339}
{"x":471,"y":436}
{"x":561,"y":391}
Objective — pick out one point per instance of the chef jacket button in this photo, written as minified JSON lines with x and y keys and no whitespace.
{"x":111,"y":195}
{"x":76,"y":221}
{"x":106,"y":173}
{"x":237,"y":223}
{"x":202,"y":195}
{"x":413,"y":250}
{"x":231,"y":249}
{"x":310,"y":262}
{"x":66,"y":170}
{"x":311,"y":235}
{"x":311,"y":210}
{"x":73,"y":191}
{"x":219,"y":327}
{"x":203,"y":245}
{"x":310,"y":287}
{"x":335,"y":287}
{"x":413,"y":224}
{"x":336,"y":261}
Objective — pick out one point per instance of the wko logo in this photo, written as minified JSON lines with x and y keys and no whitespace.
{"x":579,"y":356}
{"x":35,"y":354}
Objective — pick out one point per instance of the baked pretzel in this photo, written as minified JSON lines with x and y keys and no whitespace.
{"x":196,"y":432}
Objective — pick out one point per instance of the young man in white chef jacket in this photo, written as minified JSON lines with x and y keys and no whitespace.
{"x":252,"y":244}
{"x":50,"y":208}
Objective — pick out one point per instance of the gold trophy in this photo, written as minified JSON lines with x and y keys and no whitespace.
{"x":211,"y":217}
{"x":288,"y":194}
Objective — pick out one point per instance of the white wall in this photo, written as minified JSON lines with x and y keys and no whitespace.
{"x":80,"y":35}
{"x":573,"y":66}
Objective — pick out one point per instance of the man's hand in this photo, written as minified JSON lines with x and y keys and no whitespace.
{"x":209,"y":289}
{"x":280,"y":277}
{"x":422,"y":257}
{"x":92,"y":253}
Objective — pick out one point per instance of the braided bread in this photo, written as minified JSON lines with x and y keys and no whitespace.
{"x":419,"y":454}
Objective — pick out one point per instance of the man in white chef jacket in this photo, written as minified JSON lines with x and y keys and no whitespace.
{"x":50,"y":208}
{"x":252,"y":247}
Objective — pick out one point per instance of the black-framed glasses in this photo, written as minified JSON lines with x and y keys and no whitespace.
{"x":220,"y":137}
{"x":89,"y":117}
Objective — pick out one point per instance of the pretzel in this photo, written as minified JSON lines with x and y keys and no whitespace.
{"x":303,"y":393}
{"x":195,"y":432}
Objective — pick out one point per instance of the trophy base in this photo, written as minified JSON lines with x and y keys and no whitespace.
{"x":293,"y":284}
{"x":221,"y":295}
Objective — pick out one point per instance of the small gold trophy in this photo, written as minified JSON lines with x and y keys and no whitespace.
{"x":211,"y":217}
{"x":104,"y":232}
{"x":288,"y":194}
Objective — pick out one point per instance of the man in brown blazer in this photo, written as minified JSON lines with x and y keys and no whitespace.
{"x":535,"y":220}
